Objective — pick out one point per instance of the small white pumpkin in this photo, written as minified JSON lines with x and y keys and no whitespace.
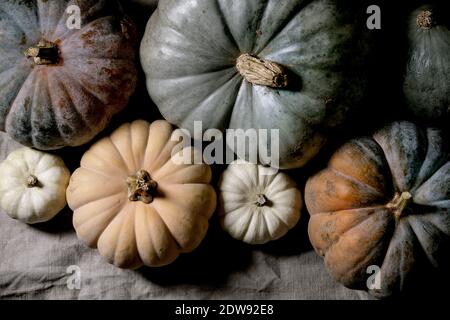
{"x":33,"y":185}
{"x":257,"y":205}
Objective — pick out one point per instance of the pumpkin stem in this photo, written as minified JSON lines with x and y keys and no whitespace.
{"x":261,"y":72}
{"x":44,"y":53}
{"x":261,"y":200}
{"x":32,"y":181}
{"x":425,"y":19}
{"x":400,"y":203}
{"x":141,"y":187}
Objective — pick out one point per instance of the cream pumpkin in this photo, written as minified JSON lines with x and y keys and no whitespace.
{"x":136,"y":204}
{"x":33,"y":185}
{"x":257,"y":205}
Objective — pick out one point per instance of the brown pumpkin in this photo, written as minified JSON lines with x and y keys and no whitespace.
{"x":383,"y":204}
{"x":60,"y":86}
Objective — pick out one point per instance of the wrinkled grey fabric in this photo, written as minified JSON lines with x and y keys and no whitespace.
{"x":46,"y":261}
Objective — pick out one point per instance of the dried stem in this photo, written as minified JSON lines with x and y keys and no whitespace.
{"x":141,"y":187}
{"x":261,"y":72}
{"x":44,"y":53}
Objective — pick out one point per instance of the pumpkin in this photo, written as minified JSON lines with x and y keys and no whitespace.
{"x":257,"y":205}
{"x":60,"y":86}
{"x":134,"y":202}
{"x":384,"y":202}
{"x":427,"y":80}
{"x":33,"y":185}
{"x":290,"y":65}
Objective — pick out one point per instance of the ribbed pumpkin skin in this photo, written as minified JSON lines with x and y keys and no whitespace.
{"x":353,"y":224}
{"x":129,"y":233}
{"x":40,"y":201}
{"x":189,"y":54}
{"x":256,"y":205}
{"x":67,"y":104}
{"x":427,"y":80}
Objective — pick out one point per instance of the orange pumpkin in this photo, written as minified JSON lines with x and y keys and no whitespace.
{"x":382,"y":205}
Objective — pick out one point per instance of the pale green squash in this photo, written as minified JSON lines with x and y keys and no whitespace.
{"x":427,"y":80}
{"x":191,"y":49}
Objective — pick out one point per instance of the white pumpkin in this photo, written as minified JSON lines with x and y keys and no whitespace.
{"x":257,"y":205}
{"x":33,"y":185}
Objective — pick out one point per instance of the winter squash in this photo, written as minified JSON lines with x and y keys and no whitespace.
{"x":33,"y":185}
{"x":60,"y":86}
{"x":257,"y":205}
{"x":135,"y":203}
{"x":291,"y":65}
{"x":383,"y":201}
{"x":427,"y":80}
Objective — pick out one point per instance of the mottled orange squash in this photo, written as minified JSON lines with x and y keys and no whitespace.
{"x":383,"y":203}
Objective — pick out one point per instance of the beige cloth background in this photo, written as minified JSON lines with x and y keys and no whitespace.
{"x":34,"y":259}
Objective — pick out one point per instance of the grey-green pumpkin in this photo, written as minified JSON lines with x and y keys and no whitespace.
{"x":290,"y":65}
{"x":60,"y":83}
{"x":380,"y":211}
{"x":427,"y":80}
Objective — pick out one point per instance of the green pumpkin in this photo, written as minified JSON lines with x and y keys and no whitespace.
{"x":60,"y":86}
{"x":427,"y":80}
{"x":291,"y":65}
{"x":383,"y":205}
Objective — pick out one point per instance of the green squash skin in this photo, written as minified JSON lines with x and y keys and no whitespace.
{"x":419,"y":159}
{"x":68,"y":103}
{"x":427,"y":79}
{"x":189,"y":54}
